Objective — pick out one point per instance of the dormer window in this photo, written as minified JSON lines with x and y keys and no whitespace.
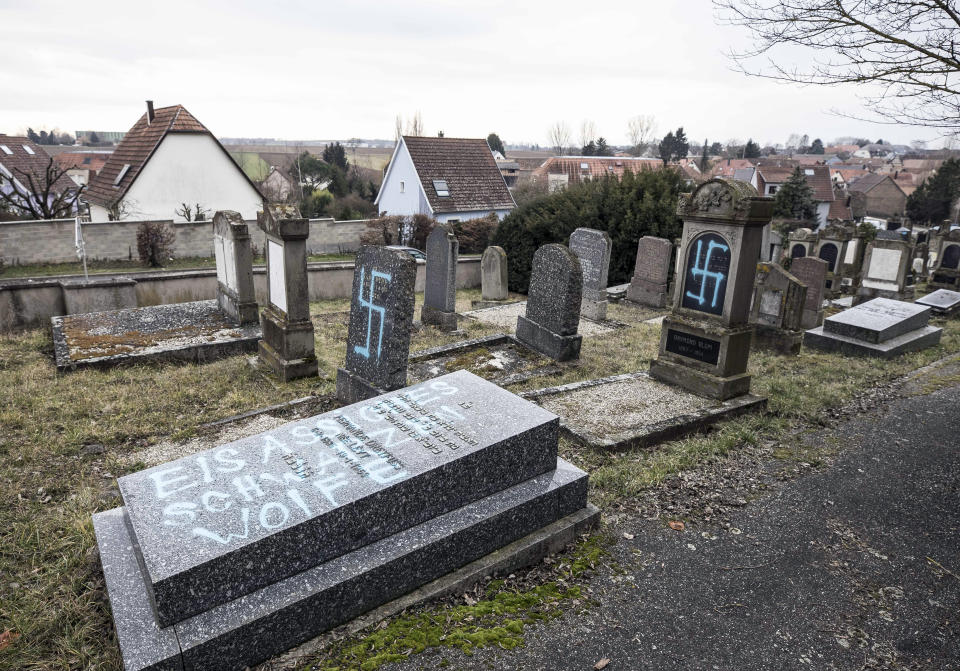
{"x":6,"y":149}
{"x":440,"y":186}
{"x":808,"y":172}
{"x":584,"y":166}
{"x":121,"y":174}
{"x":27,"y":149}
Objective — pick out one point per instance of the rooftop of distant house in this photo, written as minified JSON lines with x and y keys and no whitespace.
{"x":22,"y":160}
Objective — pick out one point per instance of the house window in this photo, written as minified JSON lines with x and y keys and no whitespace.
{"x":440,"y":186}
{"x":121,"y":174}
{"x":27,"y":149}
{"x":453,"y":221}
{"x":6,"y":149}
{"x":771,"y":190}
{"x":584,"y":166}
{"x":403,"y":187}
{"x":808,"y":172}
{"x":6,"y":172}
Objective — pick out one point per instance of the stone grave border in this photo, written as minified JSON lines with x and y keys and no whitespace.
{"x":660,"y":432}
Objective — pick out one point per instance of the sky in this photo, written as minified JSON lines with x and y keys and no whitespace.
{"x":302,"y":70}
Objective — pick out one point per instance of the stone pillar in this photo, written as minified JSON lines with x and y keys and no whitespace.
{"x":593,"y":248}
{"x":287,"y":346}
{"x":648,"y":286}
{"x":553,"y":304}
{"x":381,"y":316}
{"x":440,"y":294}
{"x":813,"y":273}
{"x":231,"y":246}
{"x":705,"y":340}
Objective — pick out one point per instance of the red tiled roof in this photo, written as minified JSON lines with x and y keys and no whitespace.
{"x":817,"y":176}
{"x":35,"y":163}
{"x":840,"y":210}
{"x":469,"y":169}
{"x":592,"y":167}
{"x":850,"y":174}
{"x":726,"y":167}
{"x":867,"y":182}
{"x":85,"y":160}
{"x":771,"y":175}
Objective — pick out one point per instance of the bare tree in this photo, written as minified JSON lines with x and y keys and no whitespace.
{"x":640,"y":130}
{"x":415,"y":125}
{"x":37,"y":195}
{"x":559,"y":137}
{"x":398,"y":128}
{"x":588,"y":131}
{"x":906,"y":50}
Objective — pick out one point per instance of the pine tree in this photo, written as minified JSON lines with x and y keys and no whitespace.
{"x":602,"y":148}
{"x":680,"y":145}
{"x":668,"y":147}
{"x":794,"y":200}
{"x":931,"y":203}
{"x":817,"y":146}
{"x":705,"y":158}
{"x":751,"y":149}
{"x":496,"y":144}
{"x":334,"y":154}
{"x":589,"y":149}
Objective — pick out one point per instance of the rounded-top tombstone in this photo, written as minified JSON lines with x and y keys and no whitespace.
{"x":440,"y":292}
{"x":553,"y":303}
{"x":493,"y":274}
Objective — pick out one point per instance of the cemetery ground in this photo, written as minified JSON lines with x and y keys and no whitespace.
{"x":66,"y":438}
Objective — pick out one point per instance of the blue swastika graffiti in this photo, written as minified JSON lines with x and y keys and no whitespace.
{"x":368,"y":303}
{"x":707,"y":268}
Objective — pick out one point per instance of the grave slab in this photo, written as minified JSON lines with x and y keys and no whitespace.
{"x":942,"y":302}
{"x":288,"y":499}
{"x":819,"y":338}
{"x":878,"y":320}
{"x":196,"y":332}
{"x":635,"y":410}
{"x":499,"y":358}
{"x":254,"y":627}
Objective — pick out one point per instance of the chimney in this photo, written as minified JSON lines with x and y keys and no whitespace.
{"x":150,"y":116}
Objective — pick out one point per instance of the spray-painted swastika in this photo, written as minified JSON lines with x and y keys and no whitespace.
{"x":708,"y":265}
{"x":364,"y":350}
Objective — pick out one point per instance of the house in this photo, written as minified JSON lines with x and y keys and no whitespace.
{"x":562,"y":171}
{"x":168,"y":159}
{"x":840,"y":211}
{"x":728,"y":166}
{"x":276,"y":187}
{"x":449,"y":179}
{"x":748,"y":175}
{"x":510,"y":171}
{"x":82,"y":166}
{"x":23,"y":171}
{"x":877,"y":196}
{"x":769,"y":181}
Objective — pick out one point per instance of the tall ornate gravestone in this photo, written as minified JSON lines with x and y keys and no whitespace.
{"x":801,"y":242}
{"x":381,"y":316}
{"x":812,"y":272}
{"x":946,"y":272}
{"x":553,"y":304}
{"x":886,"y":267}
{"x":593,"y":248}
{"x":832,"y":247}
{"x":287,"y":346}
{"x":777,"y":309}
{"x":648,"y":286}
{"x":231,"y":247}
{"x":440,"y":294}
{"x":705,"y":341}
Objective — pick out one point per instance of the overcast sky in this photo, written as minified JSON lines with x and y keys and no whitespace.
{"x":320,"y":70}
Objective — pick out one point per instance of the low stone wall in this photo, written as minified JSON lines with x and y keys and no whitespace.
{"x":26,"y":303}
{"x":52,"y":241}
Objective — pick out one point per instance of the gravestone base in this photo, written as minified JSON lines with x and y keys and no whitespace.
{"x":647,"y":293}
{"x":98,"y":295}
{"x":811,"y":318}
{"x":699,"y":382}
{"x":287,"y":369}
{"x":922,"y":338}
{"x":242,"y":312}
{"x":486,"y":303}
{"x":351,"y":388}
{"x":545,"y":341}
{"x":287,"y":347}
{"x":595,"y":310}
{"x":782,"y":341}
{"x":442,"y":319}
{"x":865,"y":294}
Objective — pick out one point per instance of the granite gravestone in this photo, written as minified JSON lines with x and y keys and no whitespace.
{"x":223,"y":558}
{"x":777,"y":309}
{"x":648,"y":286}
{"x":946,"y":273}
{"x":553,"y":304}
{"x":881,"y":328}
{"x":381,"y":316}
{"x":287,"y":346}
{"x":886,"y":266}
{"x":440,"y":294}
{"x":813,"y":274}
{"x":705,"y":340}
{"x":231,"y":246}
{"x":593,"y":248}
{"x":942,"y":301}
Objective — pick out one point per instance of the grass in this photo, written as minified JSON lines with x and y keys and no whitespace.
{"x":64,"y":440}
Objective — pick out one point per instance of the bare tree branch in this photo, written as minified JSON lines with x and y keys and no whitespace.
{"x":37,"y":196}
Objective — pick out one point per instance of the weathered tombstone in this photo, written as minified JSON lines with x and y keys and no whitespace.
{"x":648,"y":286}
{"x":853,"y":262}
{"x":886,"y":267}
{"x":231,"y":247}
{"x":705,"y":341}
{"x":440,"y":294}
{"x":946,"y":273}
{"x":287,"y":346}
{"x":880,"y":327}
{"x":812,"y":272}
{"x":832,"y":247}
{"x":943,"y":302}
{"x":921,"y":270}
{"x":775,"y":249}
{"x":801,"y":242}
{"x":493,"y":278}
{"x":381,"y":316}
{"x":777,"y":310}
{"x":593,"y":248}
{"x":553,"y":304}
{"x":223,"y":558}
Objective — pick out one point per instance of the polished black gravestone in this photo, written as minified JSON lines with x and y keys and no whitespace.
{"x":440,"y":292}
{"x":381,"y":316}
{"x":553,"y":304}
{"x":254,"y":546}
{"x":881,"y":327}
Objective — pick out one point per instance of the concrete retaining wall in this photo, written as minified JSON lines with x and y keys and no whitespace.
{"x":26,"y":303}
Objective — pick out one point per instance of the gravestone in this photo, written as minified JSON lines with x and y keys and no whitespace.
{"x":777,"y":309}
{"x":705,"y":340}
{"x":593,"y":248}
{"x":381,"y":317}
{"x":223,"y":558}
{"x":881,"y":327}
{"x":648,"y":286}
{"x":287,"y":346}
{"x":493,"y":279}
{"x":853,"y":262}
{"x":946,"y":272}
{"x":886,"y":267}
{"x":831,"y":246}
{"x":440,"y":294}
{"x":800,"y":243}
{"x":922,"y":254}
{"x":231,"y":247}
{"x":943,"y":302}
{"x":553,"y":304}
{"x":813,"y":274}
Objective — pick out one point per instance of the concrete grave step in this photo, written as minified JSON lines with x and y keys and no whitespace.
{"x":225,"y":522}
{"x":878,"y":320}
{"x":924,"y":337}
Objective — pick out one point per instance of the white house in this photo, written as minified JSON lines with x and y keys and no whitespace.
{"x":450,"y":179}
{"x":166,"y":160}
